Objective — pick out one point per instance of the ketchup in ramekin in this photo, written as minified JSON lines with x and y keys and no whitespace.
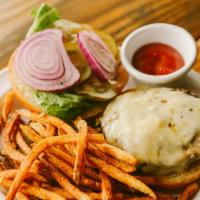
{"x":157,"y":59}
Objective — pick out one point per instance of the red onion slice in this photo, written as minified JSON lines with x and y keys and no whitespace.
{"x":97,"y":54}
{"x":42,"y":62}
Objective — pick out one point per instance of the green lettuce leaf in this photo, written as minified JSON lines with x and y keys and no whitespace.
{"x":65,"y":106}
{"x":44,"y":17}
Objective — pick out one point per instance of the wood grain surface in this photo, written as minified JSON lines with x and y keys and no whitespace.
{"x":117,"y":17}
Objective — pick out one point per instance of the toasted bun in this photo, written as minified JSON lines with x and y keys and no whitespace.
{"x":25,"y":94}
{"x":174,"y":180}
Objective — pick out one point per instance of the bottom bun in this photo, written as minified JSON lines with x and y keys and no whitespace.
{"x":174,"y":180}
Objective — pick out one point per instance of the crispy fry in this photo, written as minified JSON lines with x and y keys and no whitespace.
{"x":6,"y":174}
{"x":22,"y":144}
{"x":7,"y":105}
{"x":40,"y":192}
{"x":92,"y":149}
{"x":69,"y":148}
{"x":140,"y":198}
{"x":2,"y":166}
{"x":71,"y":160}
{"x":11,"y":173}
{"x":50,"y":129}
{"x":36,"y":166}
{"x":58,"y":190}
{"x":165,"y":196}
{"x":55,"y":122}
{"x":121,"y":176}
{"x":7,"y":146}
{"x":39,"y":128}
{"x":65,"y":184}
{"x":34,"y":191}
{"x":45,"y":119}
{"x":39,"y":148}
{"x":189,"y":191}
{"x":95,"y":196}
{"x":80,"y":152}
{"x":118,"y":153}
{"x":1,"y":123}
{"x":11,"y":163}
{"x":21,"y":196}
{"x":68,"y":170}
{"x":160,"y":196}
{"x":29,"y":133}
{"x":106,"y":187}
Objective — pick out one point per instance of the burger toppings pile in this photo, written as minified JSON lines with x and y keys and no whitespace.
{"x":42,"y":62}
{"x":72,"y":65}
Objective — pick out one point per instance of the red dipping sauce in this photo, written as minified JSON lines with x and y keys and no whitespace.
{"x":157,"y":59}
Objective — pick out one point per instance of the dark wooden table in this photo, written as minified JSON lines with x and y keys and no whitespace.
{"x":117,"y":17}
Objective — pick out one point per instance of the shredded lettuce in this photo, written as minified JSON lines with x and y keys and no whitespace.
{"x":65,"y":106}
{"x":44,"y":17}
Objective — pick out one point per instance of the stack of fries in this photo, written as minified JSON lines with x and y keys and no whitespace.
{"x":46,"y":158}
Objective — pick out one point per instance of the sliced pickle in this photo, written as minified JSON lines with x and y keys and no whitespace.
{"x":97,"y":89}
{"x":108,"y":39}
{"x":78,"y":60}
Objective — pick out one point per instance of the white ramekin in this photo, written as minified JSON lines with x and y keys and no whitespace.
{"x":175,"y":36}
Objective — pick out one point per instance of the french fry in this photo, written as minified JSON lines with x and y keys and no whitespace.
{"x":121,"y":176}
{"x":11,"y":173}
{"x":140,"y":198}
{"x":65,"y":184}
{"x":39,"y":128}
{"x":1,"y":123}
{"x":95,"y":196}
{"x":69,"y":148}
{"x":6,"y":184}
{"x":68,"y":170}
{"x":58,"y":190}
{"x":40,"y":192}
{"x":189,"y":191}
{"x":35,"y":191}
{"x":50,"y":129}
{"x":7,"y":105}
{"x":165,"y":196}
{"x":7,"y":146}
{"x":10,"y":163}
{"x":45,"y":119}
{"x":118,"y":153}
{"x":22,"y":144}
{"x":41,"y":146}
{"x":62,"y":155}
{"x":2,"y":166}
{"x":21,"y":196}
{"x":71,"y":160}
{"x":106,"y":187}
{"x":79,"y":164}
{"x":36,"y":166}
{"x":92,"y":149}
{"x":29,"y":133}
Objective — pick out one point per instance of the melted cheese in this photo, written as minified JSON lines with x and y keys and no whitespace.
{"x":154,"y":125}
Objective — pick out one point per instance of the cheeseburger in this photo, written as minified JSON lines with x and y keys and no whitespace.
{"x":161,"y":128}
